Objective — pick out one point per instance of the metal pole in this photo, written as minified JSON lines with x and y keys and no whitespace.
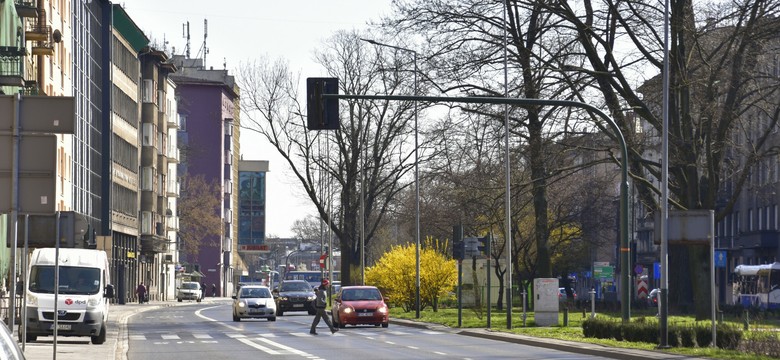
{"x":507,"y":195}
{"x":363,"y":218}
{"x":55,"y":314}
{"x":416,"y":196}
{"x":713,"y":295}
{"x":23,"y":322}
{"x":15,"y":205}
{"x":663,"y":295}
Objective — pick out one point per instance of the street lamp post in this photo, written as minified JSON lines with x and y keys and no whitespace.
{"x":416,"y":177}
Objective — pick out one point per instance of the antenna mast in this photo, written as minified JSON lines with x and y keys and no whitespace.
{"x":205,"y":35}
{"x":185,"y":31}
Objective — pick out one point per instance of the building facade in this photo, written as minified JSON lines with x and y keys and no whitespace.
{"x":208,"y":99}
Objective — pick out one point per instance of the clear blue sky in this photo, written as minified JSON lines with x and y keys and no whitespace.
{"x":240,"y":31}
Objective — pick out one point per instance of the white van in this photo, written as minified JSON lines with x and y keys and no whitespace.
{"x":83,"y":297}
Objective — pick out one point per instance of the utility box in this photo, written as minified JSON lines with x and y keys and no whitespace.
{"x":546,"y":301}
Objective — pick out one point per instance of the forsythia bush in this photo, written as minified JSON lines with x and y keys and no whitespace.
{"x":395,"y":273}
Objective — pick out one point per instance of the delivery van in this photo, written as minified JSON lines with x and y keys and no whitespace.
{"x":83,"y":297}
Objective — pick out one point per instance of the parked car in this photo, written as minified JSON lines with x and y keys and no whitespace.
{"x":254,"y":301}
{"x":652,"y":297}
{"x":562,"y":294}
{"x":294,"y":295}
{"x":9,"y":348}
{"x":189,"y":290}
{"x":357,"y":305}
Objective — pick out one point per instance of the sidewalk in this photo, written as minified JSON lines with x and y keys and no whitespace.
{"x":115,"y":347}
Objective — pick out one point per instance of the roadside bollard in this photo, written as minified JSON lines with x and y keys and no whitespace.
{"x":746,"y":321}
{"x":566,"y":315}
{"x":592,"y":303}
{"x":524,"y":308}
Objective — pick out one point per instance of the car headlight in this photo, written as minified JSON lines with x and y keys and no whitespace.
{"x":241,"y":304}
{"x":32,"y":300}
{"x":283,"y":298}
{"x":382,"y":310}
{"x":348,"y":310}
{"x":312,"y":297}
{"x":93,"y":303}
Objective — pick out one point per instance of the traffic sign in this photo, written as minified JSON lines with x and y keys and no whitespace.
{"x":720,"y":258}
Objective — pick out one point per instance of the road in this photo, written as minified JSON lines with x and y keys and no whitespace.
{"x":166,"y":330}
{"x":206,"y":331}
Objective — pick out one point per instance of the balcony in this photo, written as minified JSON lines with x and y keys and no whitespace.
{"x":26,"y":8}
{"x":173,"y":188}
{"x":11,"y":60}
{"x":36,"y":29}
{"x":172,"y":223}
{"x":173,"y":121}
{"x":153,"y":244}
{"x":30,"y":88}
{"x":173,"y":155}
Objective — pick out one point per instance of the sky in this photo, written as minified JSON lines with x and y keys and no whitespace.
{"x":240,"y":31}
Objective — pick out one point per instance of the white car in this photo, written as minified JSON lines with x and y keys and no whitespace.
{"x":189,"y":290}
{"x":254,"y":301}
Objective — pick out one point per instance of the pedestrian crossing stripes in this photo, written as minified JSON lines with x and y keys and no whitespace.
{"x":203,"y":337}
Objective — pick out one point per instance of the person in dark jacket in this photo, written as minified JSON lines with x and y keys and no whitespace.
{"x":319,"y":304}
{"x":141,"y":292}
{"x":213,"y":290}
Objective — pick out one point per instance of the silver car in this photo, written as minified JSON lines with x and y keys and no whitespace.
{"x":254,"y":301}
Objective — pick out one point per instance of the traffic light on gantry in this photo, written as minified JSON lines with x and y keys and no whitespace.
{"x":322,"y":113}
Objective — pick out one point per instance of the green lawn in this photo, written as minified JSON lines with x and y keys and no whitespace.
{"x":573,"y":332}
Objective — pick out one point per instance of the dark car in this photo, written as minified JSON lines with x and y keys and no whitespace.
{"x":360,"y":305}
{"x":294,"y":295}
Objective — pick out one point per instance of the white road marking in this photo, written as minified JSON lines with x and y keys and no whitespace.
{"x":269,"y":335}
{"x":202,"y":336}
{"x":413,"y":347}
{"x":440,"y":353}
{"x":235,"y":336}
{"x":138,"y":337}
{"x":431,"y":332}
{"x":259,"y":347}
{"x":170,"y":337}
{"x":285,"y":347}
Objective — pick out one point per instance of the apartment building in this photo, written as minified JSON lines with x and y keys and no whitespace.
{"x":209,"y":140}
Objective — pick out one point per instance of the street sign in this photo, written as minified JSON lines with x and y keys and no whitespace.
{"x":638,"y":269}
{"x":37,"y":173}
{"x":604,"y":273}
{"x":470,"y":247}
{"x":720,"y":258}
{"x":254,"y":248}
{"x":40,"y":114}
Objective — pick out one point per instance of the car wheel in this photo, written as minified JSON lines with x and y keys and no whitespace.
{"x":179,"y":299}
{"x":377,"y":325}
{"x":30,"y":338}
{"x":101,"y":337}
{"x":198,"y":299}
{"x":279,"y":312}
{"x":272,"y":318}
{"x":384,"y":325}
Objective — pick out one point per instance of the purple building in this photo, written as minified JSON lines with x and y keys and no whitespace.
{"x":209,"y":139}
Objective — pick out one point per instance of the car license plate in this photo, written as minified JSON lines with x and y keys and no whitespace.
{"x":297,"y":305}
{"x":60,"y":327}
{"x":365,"y":314}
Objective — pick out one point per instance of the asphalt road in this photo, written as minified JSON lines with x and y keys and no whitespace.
{"x":206,"y":331}
{"x":192,"y":331}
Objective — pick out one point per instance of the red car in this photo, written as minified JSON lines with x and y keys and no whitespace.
{"x":359,"y":305}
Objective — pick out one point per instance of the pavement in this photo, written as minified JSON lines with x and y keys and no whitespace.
{"x":116,"y":345}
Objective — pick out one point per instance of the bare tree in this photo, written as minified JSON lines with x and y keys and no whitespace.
{"x":199,"y":210}
{"x":719,"y":83}
{"x":371,"y":145}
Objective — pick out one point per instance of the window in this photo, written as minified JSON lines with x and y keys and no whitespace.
{"x":148,"y":134}
{"x":148,"y":91}
{"x":147,"y":178}
{"x":182,"y":122}
{"x":146,"y":222}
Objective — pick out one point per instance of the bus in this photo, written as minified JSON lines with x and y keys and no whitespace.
{"x":313,"y":277}
{"x":758,"y":285}
{"x":268,"y":278}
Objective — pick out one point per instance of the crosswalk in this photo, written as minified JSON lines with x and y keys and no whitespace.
{"x":165,"y":337}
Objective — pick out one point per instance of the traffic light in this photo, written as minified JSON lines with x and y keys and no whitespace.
{"x":322,"y":113}
{"x":457,"y":242}
{"x":484,"y":245}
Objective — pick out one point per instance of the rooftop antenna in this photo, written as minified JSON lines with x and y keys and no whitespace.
{"x":205,"y":35}
{"x":224,"y":63}
{"x":186,"y":34}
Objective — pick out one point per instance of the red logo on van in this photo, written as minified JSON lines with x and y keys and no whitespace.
{"x":68,"y":302}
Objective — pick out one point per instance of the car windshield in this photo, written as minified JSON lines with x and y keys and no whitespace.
{"x":189,"y":286}
{"x":255,"y":293}
{"x":360,"y":294}
{"x":73,"y":280}
{"x":295,"y":286}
